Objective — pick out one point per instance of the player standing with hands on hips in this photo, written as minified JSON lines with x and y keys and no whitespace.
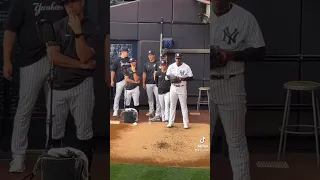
{"x":132,"y":78}
{"x":150,"y":85}
{"x":179,"y":73}
{"x":236,"y":39}
{"x":34,"y":67}
{"x":163,"y":85}
{"x":118,"y":70}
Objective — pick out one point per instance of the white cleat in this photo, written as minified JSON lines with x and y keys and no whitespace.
{"x":17,"y":165}
{"x":115,"y":114}
{"x":149,"y":114}
{"x":156,"y":118}
{"x":169,"y":126}
{"x":186,"y":127}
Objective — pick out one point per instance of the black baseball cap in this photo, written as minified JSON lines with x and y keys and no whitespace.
{"x":151,"y":52}
{"x":178,"y":56}
{"x":62,"y":2}
{"x":132,"y":60}
{"x":125,"y":49}
{"x":163,"y":63}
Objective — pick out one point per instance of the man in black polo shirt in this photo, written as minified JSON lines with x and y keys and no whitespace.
{"x":163,"y":84}
{"x":118,"y":71}
{"x":34,"y":67}
{"x":150,"y":85}
{"x":72,"y":55}
{"x":132,"y":77}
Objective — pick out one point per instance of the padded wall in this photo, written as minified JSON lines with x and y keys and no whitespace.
{"x":181,"y":22}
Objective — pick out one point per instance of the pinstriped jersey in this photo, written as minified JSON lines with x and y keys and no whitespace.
{"x":234,"y":31}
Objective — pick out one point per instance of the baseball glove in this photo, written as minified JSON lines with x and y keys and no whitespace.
{"x":174,"y":79}
{"x":216,"y":58}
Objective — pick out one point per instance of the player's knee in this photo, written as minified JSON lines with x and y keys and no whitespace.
{"x":237,"y":141}
{"x":57,"y":135}
{"x":85,"y":134}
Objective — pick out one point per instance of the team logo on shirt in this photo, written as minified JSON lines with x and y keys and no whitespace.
{"x":230,"y":37}
{"x":182,"y":72}
{"x":38,"y":8}
{"x":124,"y":64}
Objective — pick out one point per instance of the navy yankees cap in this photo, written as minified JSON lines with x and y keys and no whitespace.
{"x":178,"y":56}
{"x":151,"y":52}
{"x":163,"y":63}
{"x":162,"y":55}
{"x":132,"y":60}
{"x":125,"y":49}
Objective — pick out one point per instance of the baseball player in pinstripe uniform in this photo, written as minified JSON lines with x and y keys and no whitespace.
{"x":118,"y":70}
{"x":132,"y":78}
{"x":237,"y":37}
{"x":163,"y":85}
{"x":34,"y":67}
{"x":72,"y":55}
{"x":150,"y":85}
{"x":178,"y":90}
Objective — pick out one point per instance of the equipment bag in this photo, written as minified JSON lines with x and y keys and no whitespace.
{"x":129,"y":115}
{"x":167,"y":43}
{"x":61,"y":164}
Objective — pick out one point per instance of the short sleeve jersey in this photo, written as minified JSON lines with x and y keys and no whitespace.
{"x":120,"y":67}
{"x":130,"y":74}
{"x":149,"y":70}
{"x":235,"y":31}
{"x":182,"y":71}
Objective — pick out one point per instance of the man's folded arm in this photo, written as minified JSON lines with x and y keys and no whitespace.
{"x":62,"y":60}
{"x":85,"y":47}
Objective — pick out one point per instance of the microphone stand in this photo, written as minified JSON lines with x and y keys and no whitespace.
{"x":50,"y":81}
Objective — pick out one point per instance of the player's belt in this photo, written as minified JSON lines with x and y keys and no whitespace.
{"x":177,"y":85}
{"x":222,"y":76}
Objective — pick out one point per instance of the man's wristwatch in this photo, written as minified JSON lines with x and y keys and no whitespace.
{"x":78,"y":35}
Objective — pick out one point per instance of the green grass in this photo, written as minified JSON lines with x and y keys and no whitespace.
{"x":148,"y":172}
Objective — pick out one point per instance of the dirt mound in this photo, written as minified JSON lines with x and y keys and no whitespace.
{"x":156,"y":144}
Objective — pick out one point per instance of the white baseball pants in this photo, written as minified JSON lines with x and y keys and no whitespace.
{"x":181,"y":94}
{"x":119,"y":89}
{"x":32,"y":79}
{"x":228,"y":101}
{"x":134,"y":94}
{"x":164,"y":100}
{"x":152,"y":90}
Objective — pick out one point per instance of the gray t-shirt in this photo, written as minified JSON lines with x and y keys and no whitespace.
{"x":67,"y":78}
{"x":234,"y":31}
